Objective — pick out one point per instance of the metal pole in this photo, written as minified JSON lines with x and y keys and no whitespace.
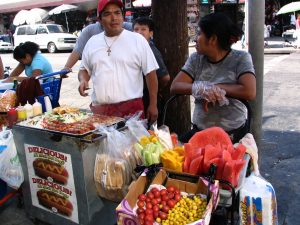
{"x":67,"y":22}
{"x":256,"y":17}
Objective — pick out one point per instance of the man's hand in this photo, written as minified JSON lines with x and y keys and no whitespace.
{"x":84,"y":85}
{"x":152,"y":114}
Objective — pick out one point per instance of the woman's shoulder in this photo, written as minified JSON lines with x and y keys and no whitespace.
{"x":239,"y":53}
{"x":196,"y":56}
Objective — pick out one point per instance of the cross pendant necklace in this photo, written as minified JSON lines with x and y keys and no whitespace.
{"x":108,"y":51}
{"x":109,"y":46}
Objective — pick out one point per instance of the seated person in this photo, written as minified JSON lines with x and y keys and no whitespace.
{"x":217,"y":76}
{"x":145,"y":27}
{"x":31,"y":60}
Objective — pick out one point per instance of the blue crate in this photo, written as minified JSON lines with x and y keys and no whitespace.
{"x":51,"y":87}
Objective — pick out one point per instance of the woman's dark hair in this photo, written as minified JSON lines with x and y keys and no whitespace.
{"x":28,"y":47}
{"x":220,"y":25}
{"x":144,"y":21}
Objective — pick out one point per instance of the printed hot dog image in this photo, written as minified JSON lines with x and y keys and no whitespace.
{"x":46,"y":168}
{"x":55,"y":202}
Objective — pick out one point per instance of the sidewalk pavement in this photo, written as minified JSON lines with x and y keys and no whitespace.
{"x":280,"y":152}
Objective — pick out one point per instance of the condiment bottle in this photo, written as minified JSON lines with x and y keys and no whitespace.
{"x":29,"y":110}
{"x":12,"y":116}
{"x":21,"y":113}
{"x":48,"y":104}
{"x":37,"y":108}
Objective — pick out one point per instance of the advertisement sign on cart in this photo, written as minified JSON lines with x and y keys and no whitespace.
{"x":51,"y":181}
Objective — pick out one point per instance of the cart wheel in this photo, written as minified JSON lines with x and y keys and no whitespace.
{"x":51,"y":47}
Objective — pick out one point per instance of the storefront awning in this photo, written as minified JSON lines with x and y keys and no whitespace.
{"x":7,"y":6}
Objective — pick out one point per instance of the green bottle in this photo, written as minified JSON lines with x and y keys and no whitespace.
{"x":15,"y":83}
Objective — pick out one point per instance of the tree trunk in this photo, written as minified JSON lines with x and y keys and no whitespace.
{"x":171,"y":38}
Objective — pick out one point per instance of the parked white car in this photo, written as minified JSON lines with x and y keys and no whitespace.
{"x":52,"y":37}
{"x":5,"y":44}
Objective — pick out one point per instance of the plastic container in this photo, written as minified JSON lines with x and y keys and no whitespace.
{"x":29,"y":110}
{"x":21,"y":113}
{"x":12,"y":116}
{"x":48,"y":104}
{"x":37,"y":108}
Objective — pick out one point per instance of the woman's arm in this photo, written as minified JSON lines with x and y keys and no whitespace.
{"x":17,"y":71}
{"x":244,"y":89}
{"x":182,"y":84}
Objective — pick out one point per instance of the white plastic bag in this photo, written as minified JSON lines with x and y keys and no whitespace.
{"x":258,"y":202}
{"x":257,"y":196}
{"x":10,"y":168}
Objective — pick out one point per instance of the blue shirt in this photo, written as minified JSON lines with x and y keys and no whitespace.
{"x":39,"y":62}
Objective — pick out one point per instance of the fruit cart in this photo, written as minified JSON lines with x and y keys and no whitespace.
{"x":58,"y":171}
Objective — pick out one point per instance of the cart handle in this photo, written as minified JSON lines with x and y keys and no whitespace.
{"x":47,"y":75}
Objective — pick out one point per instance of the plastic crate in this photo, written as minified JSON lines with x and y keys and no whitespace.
{"x":51,"y":87}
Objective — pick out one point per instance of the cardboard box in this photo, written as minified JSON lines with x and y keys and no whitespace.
{"x":126,"y":215}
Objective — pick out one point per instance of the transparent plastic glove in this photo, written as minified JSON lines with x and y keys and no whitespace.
{"x":209,"y":92}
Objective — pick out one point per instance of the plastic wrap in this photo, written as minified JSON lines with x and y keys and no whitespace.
{"x":8,"y":100}
{"x":114,"y":164}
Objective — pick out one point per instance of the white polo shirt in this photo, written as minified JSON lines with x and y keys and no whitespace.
{"x":117,"y":77}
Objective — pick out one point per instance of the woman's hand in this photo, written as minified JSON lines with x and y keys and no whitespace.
{"x":209,"y":92}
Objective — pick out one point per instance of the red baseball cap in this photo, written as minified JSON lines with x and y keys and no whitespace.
{"x":103,"y":3}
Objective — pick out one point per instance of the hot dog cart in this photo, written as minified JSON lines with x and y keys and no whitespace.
{"x":67,"y":198}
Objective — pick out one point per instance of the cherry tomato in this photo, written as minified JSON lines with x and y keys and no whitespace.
{"x":162,"y":215}
{"x":140,"y":204}
{"x":154,"y":201}
{"x":156,"y":194}
{"x":140,"y":211}
{"x":148,"y":212}
{"x":171,"y":203}
{"x":171,"y":195}
{"x":153,"y":190}
{"x":148,"y":205}
{"x":142,"y":221}
{"x":158,"y":200}
{"x":165,"y":198}
{"x":165,"y":209}
{"x":155,"y":208}
{"x":150,"y":195}
{"x":142,"y":197}
{"x":171,"y":189}
{"x":148,"y":200}
{"x":163,"y":192}
{"x":177,"y":197}
{"x":141,"y":216}
{"x":149,"y":218}
{"x":155,"y":214}
{"x":163,"y":203}
{"x":148,"y":223}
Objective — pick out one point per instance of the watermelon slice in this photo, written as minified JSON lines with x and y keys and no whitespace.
{"x":210,"y":153}
{"x":232,"y":170}
{"x":226,"y":156}
{"x":188,"y":152}
{"x":196,"y":165}
{"x":239,"y":152}
{"x":210,"y":136}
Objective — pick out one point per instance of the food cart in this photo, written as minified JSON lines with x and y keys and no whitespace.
{"x":67,"y":194}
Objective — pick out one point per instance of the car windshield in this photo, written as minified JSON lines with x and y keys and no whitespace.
{"x":56,"y":29}
{"x":5,"y":38}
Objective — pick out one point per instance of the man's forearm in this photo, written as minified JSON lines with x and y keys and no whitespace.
{"x":152,"y":84}
{"x":72,"y":60}
{"x":83,"y":75}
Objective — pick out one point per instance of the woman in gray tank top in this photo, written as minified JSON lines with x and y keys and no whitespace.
{"x":218,"y":77}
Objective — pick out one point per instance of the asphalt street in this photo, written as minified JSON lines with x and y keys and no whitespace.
{"x":280,"y":152}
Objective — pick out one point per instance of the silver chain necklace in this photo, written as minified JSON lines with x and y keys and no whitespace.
{"x":109,"y":46}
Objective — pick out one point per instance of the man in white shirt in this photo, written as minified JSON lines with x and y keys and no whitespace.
{"x":116,"y":60}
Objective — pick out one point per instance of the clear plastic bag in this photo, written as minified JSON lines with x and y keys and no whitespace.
{"x":10,"y":168}
{"x":114,"y":165}
{"x":8,"y":100}
{"x":137,"y":127}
